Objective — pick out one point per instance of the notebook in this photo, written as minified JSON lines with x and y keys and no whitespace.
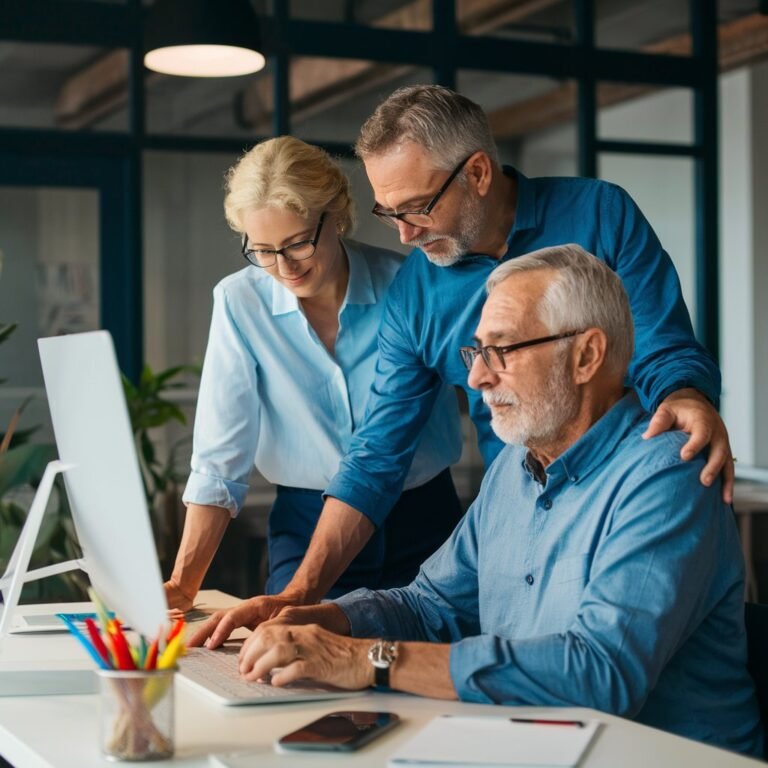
{"x":215,"y":673}
{"x":487,"y":742}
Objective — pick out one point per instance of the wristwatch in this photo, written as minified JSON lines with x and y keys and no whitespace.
{"x":382,"y":654}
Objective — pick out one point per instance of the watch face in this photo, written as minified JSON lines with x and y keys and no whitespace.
{"x":382,"y":654}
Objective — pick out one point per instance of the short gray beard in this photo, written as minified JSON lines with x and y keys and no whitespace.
{"x":460,"y":242}
{"x":541,"y":421}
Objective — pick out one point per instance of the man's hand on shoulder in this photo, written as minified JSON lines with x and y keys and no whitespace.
{"x":688,"y":410}
{"x":250,"y":613}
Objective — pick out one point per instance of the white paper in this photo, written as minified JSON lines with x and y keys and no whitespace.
{"x":495,"y":741}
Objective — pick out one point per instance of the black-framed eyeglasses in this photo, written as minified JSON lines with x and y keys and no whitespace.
{"x":267,"y":257}
{"x":493,"y":356}
{"x":423,"y":217}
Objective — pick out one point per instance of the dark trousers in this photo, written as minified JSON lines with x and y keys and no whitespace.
{"x":421,"y":520}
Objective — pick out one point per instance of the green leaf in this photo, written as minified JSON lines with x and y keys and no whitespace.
{"x":24,"y":465}
{"x":147,"y":449}
{"x":6,"y":330}
{"x":20,"y":436}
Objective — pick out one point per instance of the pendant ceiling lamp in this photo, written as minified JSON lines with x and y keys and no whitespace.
{"x":202,"y":38}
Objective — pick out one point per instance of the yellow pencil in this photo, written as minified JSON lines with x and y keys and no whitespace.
{"x":172,"y":651}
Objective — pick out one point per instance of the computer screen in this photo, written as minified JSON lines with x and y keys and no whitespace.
{"x":104,"y":485}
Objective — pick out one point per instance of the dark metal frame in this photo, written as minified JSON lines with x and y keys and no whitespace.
{"x":443,"y":49}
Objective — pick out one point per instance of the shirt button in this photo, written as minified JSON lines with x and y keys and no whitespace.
{"x":529,"y":578}
{"x":546,"y":503}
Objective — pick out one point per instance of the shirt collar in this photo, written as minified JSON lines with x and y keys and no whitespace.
{"x":360,"y":288}
{"x":526,"y":213}
{"x":599,"y":442}
{"x":526,"y":208}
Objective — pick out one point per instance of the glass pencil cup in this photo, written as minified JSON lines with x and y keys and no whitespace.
{"x":136,"y":714}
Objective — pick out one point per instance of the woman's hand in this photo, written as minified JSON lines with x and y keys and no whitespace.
{"x":175,"y":597}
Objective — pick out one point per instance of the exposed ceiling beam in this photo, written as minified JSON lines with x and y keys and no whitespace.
{"x":318,"y":84}
{"x":315,"y":84}
{"x":741,"y":42}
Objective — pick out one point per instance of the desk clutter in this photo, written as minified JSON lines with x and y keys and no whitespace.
{"x":462,"y":741}
{"x":136,"y":683}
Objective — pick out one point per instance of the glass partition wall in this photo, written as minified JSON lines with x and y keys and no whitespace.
{"x":570,"y":86}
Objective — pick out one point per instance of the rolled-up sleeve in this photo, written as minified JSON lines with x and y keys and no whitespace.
{"x":227,"y":419}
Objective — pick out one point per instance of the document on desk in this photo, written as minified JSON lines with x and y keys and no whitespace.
{"x":485,"y":742}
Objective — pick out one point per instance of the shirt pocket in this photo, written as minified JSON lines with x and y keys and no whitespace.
{"x":575,"y":568}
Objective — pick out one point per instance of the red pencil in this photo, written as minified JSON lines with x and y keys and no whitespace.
{"x":120,"y":644}
{"x":151,"y":661}
{"x":98,"y":643}
{"x":177,"y":627}
{"x":539,"y":721}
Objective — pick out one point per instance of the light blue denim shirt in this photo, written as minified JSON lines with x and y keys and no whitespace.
{"x":432,"y":311}
{"x":616,"y":584}
{"x":272,"y":396}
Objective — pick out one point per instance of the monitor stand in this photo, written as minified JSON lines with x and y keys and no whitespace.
{"x":31,"y":668}
{"x":17,"y":574}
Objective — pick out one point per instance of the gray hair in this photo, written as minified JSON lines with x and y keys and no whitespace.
{"x":586,"y":293}
{"x":448,"y":125}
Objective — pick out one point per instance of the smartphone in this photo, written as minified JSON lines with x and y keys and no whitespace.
{"x":340,"y":731}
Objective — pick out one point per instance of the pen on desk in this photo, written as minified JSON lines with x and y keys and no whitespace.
{"x":539,"y":721}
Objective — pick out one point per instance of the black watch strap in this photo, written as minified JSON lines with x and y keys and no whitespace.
{"x":381,"y":676}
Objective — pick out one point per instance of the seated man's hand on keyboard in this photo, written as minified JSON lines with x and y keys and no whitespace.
{"x":250,"y":613}
{"x":306,"y":652}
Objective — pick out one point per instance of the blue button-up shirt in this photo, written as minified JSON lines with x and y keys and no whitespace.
{"x":432,"y":311}
{"x":270,"y":393}
{"x":616,"y":583}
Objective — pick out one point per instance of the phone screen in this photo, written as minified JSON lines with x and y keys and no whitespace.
{"x":342,"y":731}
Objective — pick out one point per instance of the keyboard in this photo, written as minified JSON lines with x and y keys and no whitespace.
{"x":216,"y":674}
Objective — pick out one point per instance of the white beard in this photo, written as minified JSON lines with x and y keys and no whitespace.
{"x":540,"y":420}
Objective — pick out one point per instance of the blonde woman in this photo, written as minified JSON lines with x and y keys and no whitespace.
{"x":291,"y":358}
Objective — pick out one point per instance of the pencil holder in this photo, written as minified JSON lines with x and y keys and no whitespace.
{"x":137,"y":714}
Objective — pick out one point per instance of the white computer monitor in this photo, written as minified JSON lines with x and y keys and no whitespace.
{"x":102,"y":478}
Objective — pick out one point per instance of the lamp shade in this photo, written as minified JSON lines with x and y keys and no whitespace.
{"x":202,"y":38}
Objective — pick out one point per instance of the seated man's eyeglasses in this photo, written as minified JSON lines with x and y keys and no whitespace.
{"x":267,"y":257}
{"x":493,"y":356}
{"x":420,"y":218}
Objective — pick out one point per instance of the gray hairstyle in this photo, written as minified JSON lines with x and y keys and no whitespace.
{"x":586,"y":293}
{"x":448,"y":125}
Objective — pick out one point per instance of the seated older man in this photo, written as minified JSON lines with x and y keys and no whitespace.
{"x":594,"y":569}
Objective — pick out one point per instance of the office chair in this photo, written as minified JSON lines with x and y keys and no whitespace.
{"x":756,"y":621}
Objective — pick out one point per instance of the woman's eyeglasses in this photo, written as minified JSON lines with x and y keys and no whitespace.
{"x":267,"y":257}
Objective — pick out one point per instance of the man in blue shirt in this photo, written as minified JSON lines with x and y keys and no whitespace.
{"x":594,"y":569}
{"x":432,"y":162}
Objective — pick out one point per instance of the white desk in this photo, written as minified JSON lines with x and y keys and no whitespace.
{"x":62,"y":731}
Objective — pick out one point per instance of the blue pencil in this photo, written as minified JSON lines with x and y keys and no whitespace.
{"x":83,"y":641}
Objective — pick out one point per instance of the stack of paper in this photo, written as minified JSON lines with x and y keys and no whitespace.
{"x":482,"y":742}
